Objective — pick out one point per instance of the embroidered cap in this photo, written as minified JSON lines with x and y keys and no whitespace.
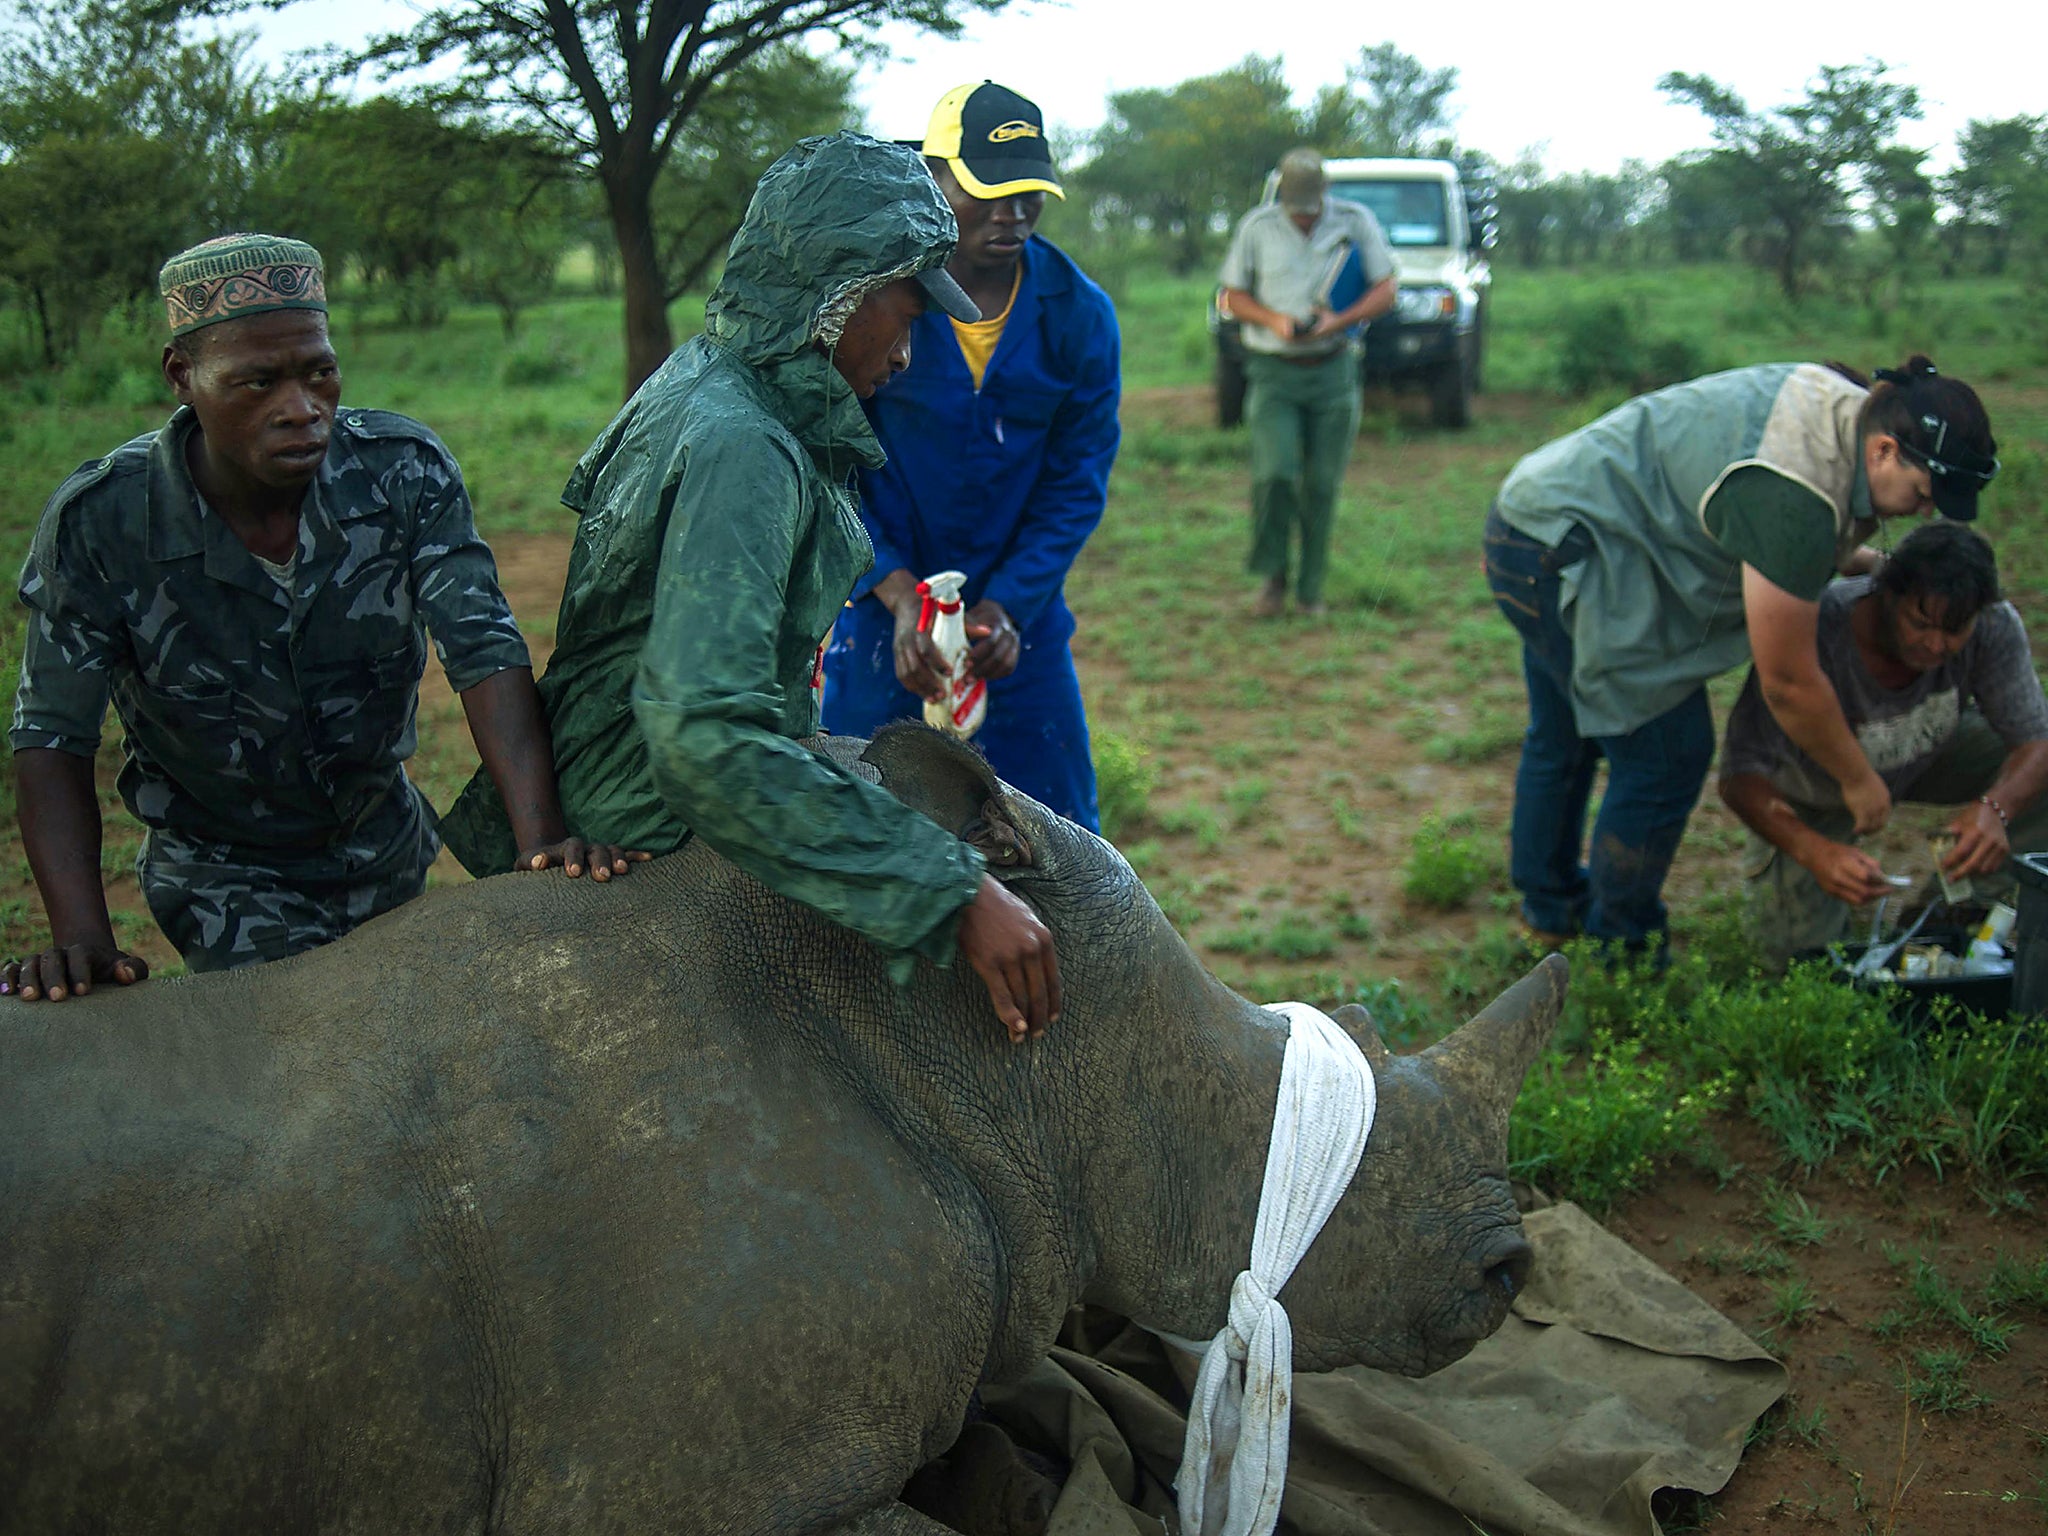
{"x":994,"y":140}
{"x":230,"y":276}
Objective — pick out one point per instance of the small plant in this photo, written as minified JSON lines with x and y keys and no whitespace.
{"x":1443,"y":870}
{"x":1782,"y":1421}
{"x":1197,"y":821}
{"x":1795,"y":1221}
{"x":1941,"y":1384}
{"x":1599,"y":347}
{"x":1592,"y":1132}
{"x":1351,"y":923}
{"x":1124,"y":780}
{"x":1291,"y":936}
{"x":536,"y":365}
{"x":2016,"y":1283}
{"x":1762,"y":1258}
{"x":1717,"y":1255}
{"x":1939,"y":1299}
{"x":1246,"y":798}
{"x":1792,"y":1302}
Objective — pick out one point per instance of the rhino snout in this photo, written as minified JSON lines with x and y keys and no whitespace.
{"x":1507,"y":1269}
{"x":1502,"y":1264}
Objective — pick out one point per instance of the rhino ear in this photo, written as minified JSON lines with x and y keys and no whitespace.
{"x":943,"y":778}
{"x":1357,"y":1022}
{"x":1491,"y":1054}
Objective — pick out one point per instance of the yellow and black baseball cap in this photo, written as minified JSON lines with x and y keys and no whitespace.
{"x":994,"y":140}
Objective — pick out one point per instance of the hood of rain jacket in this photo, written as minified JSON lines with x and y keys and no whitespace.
{"x":830,"y":222}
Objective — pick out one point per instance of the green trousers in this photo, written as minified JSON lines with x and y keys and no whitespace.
{"x":1302,"y":418}
{"x":1787,"y":912}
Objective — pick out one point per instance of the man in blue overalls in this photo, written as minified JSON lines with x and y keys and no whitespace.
{"x":1000,"y":439}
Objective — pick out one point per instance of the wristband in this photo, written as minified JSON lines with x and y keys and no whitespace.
{"x":1997,"y":810}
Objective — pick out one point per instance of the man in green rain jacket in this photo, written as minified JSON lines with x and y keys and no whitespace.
{"x":717,"y":542}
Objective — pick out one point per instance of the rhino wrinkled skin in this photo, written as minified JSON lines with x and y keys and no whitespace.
{"x":538,"y":1206}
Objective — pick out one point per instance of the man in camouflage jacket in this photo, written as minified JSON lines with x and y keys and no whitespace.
{"x":250,"y":585}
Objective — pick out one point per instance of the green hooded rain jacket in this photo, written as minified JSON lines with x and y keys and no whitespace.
{"x":717,"y":542}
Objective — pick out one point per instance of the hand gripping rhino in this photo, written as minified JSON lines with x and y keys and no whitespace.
{"x":542,"y":1207}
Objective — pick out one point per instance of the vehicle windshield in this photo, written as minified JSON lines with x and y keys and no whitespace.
{"x":1411,"y":212}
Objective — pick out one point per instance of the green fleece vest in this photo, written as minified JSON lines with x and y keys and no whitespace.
{"x":1656,"y":609}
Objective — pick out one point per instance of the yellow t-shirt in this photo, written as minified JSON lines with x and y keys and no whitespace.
{"x":978,"y":339}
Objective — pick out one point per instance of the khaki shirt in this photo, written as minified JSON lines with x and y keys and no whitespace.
{"x":1285,"y":270}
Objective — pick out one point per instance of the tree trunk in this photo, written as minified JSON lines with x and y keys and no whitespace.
{"x":630,"y":200}
{"x":42,"y":305}
{"x":1788,"y":261}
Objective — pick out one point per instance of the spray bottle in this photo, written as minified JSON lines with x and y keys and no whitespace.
{"x":939,"y":616}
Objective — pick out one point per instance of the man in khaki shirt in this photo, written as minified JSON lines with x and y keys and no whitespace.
{"x":1301,"y":367}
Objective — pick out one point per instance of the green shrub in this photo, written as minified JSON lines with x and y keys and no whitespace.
{"x":532,"y":365}
{"x":1442,"y":870}
{"x":1599,"y":347}
{"x":1592,"y":1132}
{"x":1124,"y":780}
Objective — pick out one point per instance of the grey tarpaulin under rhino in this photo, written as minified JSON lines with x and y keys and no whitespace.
{"x":538,"y":1206}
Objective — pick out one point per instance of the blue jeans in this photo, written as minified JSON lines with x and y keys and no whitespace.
{"x":1654,"y":773}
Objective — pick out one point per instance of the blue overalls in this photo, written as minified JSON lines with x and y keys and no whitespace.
{"x":1004,"y":483}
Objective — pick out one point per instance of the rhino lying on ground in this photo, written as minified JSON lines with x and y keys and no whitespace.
{"x":537,"y":1206}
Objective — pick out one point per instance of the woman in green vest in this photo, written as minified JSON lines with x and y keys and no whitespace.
{"x":1672,"y":539}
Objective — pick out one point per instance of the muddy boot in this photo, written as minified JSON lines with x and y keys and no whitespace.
{"x":1272,"y":599}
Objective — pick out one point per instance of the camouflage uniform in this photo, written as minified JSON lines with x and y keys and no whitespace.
{"x":266,"y":730}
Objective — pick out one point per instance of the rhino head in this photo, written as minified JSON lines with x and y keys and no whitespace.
{"x":1425,"y":1252}
{"x":1161,"y":1089}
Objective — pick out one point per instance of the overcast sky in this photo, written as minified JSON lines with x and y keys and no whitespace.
{"x":1577,"y":79}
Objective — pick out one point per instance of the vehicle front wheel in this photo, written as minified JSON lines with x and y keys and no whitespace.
{"x":1450,"y":391}
{"x":1230,"y":386}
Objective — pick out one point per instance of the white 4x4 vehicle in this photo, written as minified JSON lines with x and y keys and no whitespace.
{"x":1440,"y":226}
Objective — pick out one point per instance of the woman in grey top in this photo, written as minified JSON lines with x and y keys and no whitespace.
{"x":1670,"y":540}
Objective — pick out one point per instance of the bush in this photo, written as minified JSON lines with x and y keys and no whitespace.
{"x":1599,"y":347}
{"x":534,"y":365}
{"x":1442,"y":871}
{"x":1594,"y":1132}
{"x":1124,"y":780}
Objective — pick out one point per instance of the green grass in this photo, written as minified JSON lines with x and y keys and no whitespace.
{"x":1939,"y":1382}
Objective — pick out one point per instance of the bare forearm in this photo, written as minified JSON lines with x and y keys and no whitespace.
{"x":895,"y":589}
{"x":511,"y":735}
{"x":1250,"y":311}
{"x":60,"y":831}
{"x":1808,"y":711}
{"x":2022,"y":780}
{"x":1375,"y":301}
{"x":1765,"y":812}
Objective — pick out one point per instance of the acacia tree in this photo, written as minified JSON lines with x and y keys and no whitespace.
{"x":1389,"y":104}
{"x":1996,"y":160}
{"x":119,"y":142}
{"x":1799,"y":167}
{"x":1183,"y":160}
{"x":618,"y":86}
